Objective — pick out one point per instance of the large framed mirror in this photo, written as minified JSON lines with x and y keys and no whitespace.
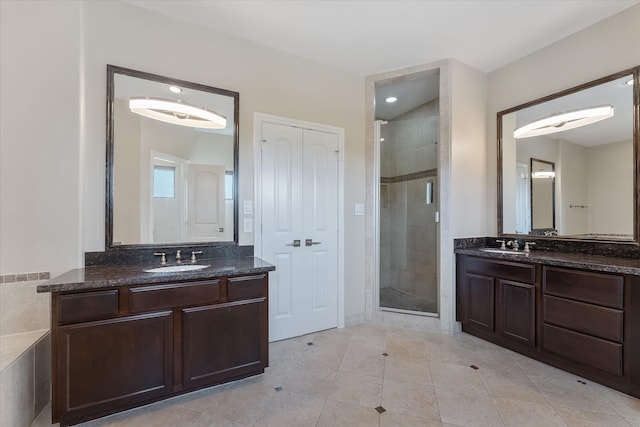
{"x":568,"y":163}
{"x":172,"y":162}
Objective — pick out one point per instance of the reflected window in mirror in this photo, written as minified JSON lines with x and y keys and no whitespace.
{"x":172,"y":161}
{"x":568,"y":163}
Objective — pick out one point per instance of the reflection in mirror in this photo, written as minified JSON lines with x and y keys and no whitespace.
{"x":543,"y":215}
{"x":588,"y":158}
{"x":172,"y":161}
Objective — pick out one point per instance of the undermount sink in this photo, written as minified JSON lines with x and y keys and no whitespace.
{"x":503,"y":251}
{"x":176,"y":268}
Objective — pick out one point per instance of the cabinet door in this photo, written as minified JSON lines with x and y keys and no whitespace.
{"x":109,"y":364}
{"x":224,"y":341}
{"x":480,"y":302}
{"x":517,"y":312}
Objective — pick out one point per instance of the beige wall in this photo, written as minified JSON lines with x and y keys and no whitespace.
{"x":54,"y":57}
{"x":40,"y":167}
{"x":610,"y":184}
{"x":604,"y":48}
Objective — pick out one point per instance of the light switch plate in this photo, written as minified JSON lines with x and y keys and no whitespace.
{"x":247,"y":207}
{"x":359,"y":209}
{"x":248,"y":225}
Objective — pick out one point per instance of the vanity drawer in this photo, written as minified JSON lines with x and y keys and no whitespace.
{"x":246,"y":287}
{"x":160,"y":297}
{"x":591,"y":319}
{"x":525,"y":273}
{"x":595,"y":288}
{"x":87,"y":306}
{"x":587,"y":350}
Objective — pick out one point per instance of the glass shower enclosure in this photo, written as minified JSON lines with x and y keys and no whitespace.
{"x":408,"y":198}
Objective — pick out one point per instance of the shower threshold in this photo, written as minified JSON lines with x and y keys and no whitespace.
{"x":397,"y":300}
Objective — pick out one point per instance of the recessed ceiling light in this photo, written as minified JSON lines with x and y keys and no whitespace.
{"x":391,"y":99}
{"x":175,"y":89}
{"x":381,"y":139}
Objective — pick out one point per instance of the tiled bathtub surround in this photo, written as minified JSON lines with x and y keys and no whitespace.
{"x":371,"y":375}
{"x":25,"y":377}
{"x":23,"y":277}
{"x":24,"y":349}
{"x":21,"y":308}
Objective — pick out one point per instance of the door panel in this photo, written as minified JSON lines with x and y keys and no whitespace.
{"x":114,"y":362}
{"x":205,"y":202}
{"x":299,"y":203}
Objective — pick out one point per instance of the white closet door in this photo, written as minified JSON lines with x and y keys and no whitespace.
{"x":299,"y":228}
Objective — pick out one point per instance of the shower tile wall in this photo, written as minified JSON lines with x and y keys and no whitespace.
{"x":408,"y":232}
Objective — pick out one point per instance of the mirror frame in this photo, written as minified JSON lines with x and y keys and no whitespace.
{"x":112,"y":70}
{"x":635,"y":72}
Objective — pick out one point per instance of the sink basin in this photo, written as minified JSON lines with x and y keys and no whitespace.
{"x":503,"y":251}
{"x":176,"y":268}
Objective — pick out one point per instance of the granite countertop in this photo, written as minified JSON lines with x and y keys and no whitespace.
{"x":609,"y":264}
{"x":108,"y":276}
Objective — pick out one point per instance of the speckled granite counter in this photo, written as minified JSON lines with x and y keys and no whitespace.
{"x":108,"y":276}
{"x":563,"y":259}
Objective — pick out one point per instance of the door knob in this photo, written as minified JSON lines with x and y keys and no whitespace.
{"x":295,"y":244}
{"x":310,"y":242}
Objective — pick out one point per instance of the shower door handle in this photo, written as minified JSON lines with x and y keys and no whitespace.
{"x":310,"y":242}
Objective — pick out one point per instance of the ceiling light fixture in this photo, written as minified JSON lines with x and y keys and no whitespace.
{"x":391,"y":99}
{"x":175,"y":89}
{"x":629,"y":82}
{"x":543,"y":174}
{"x":177,"y":113}
{"x":564,"y":121}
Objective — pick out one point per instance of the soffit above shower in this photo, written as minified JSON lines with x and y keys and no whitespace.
{"x":411,"y":93}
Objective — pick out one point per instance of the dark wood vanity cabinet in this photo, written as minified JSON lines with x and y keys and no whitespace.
{"x":119,"y":348}
{"x":585,"y":322}
{"x":497,"y":299}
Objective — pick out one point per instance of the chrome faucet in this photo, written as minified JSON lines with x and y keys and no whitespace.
{"x":502,"y":246}
{"x":514,"y":244}
{"x":163,"y":259}
{"x":527,"y":246}
{"x":193,"y":256}
{"x":178,"y":256}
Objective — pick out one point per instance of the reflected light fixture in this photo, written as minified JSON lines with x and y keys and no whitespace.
{"x":543,"y":174}
{"x":564,"y":121}
{"x":177,"y":113}
{"x":629,"y":82}
{"x":391,"y":99}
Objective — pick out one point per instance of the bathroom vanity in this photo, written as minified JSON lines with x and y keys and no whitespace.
{"x":123,"y":337}
{"x":580,"y":313}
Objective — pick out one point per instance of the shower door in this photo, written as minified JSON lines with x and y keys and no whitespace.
{"x":408,"y":210}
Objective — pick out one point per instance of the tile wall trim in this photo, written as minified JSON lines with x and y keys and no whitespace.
{"x":25,"y":277}
{"x":428,"y":173}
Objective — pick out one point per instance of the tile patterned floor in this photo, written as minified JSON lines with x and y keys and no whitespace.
{"x":370,"y":375}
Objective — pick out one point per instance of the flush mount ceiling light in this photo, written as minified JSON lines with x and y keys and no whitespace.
{"x":564,"y":121}
{"x":177,"y":113}
{"x":391,"y":99}
{"x":175,"y":89}
{"x":543,"y":174}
